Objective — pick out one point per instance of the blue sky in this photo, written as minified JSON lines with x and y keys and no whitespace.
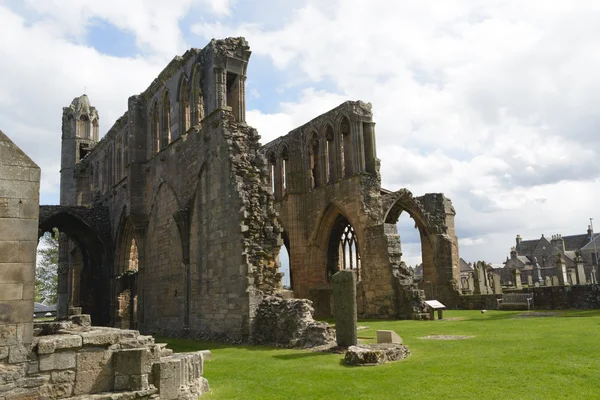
{"x":495,"y":104}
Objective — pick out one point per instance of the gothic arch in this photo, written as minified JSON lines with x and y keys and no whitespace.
{"x":183,"y":98}
{"x":89,"y":229}
{"x":196,"y":96}
{"x":165,"y":126}
{"x":125,"y":283}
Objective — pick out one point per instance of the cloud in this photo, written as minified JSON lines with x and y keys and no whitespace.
{"x":492,"y":103}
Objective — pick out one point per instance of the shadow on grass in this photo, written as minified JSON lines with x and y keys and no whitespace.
{"x":298,"y":356}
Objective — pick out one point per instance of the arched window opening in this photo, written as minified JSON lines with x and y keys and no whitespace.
{"x":85,"y":127}
{"x":284,"y":169}
{"x":284,"y":260}
{"x":410,"y":240}
{"x":331,"y":158}
{"x":95,"y":128}
{"x":184,"y":106}
{"x":272,"y":165}
{"x":165,"y":132}
{"x":155,"y":127}
{"x":46,"y":275}
{"x":314,"y":161}
{"x":119,"y":159}
{"x":346,"y":148}
{"x":197,"y":98}
{"x":343,"y":249}
{"x":125,"y":150}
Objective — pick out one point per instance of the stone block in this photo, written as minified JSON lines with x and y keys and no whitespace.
{"x":133,"y":362}
{"x":99,"y":338}
{"x":18,"y":353}
{"x":8,"y":335}
{"x":16,"y":272}
{"x":95,"y":359}
{"x":18,"y":229}
{"x":25,"y":333}
{"x":206,"y":354}
{"x":3,"y":352}
{"x":11,"y":291}
{"x":15,"y":312}
{"x":166,"y":378}
{"x":131,"y":382}
{"x":344,"y":305}
{"x":62,"y":376}
{"x":56,"y":391}
{"x":375,"y":354}
{"x":93,"y":381}
{"x":386,"y":336}
{"x":58,"y":361}
{"x":49,"y":344}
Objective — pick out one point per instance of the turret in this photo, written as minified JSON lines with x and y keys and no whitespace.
{"x":79,"y":136}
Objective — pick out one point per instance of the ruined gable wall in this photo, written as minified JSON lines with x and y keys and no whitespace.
{"x":308,"y":213}
{"x":19,"y":200}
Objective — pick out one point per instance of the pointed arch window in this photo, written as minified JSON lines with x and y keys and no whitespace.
{"x":184,"y":106}
{"x":154,"y":127}
{"x":285,"y":157}
{"x":197,"y":97}
{"x":165,"y":131}
{"x":343,"y":249}
{"x":314,"y":164}
{"x":346,"y":148}
{"x":272,"y":173}
{"x":331,"y":155}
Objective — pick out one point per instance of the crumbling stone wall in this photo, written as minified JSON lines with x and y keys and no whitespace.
{"x":19,"y":199}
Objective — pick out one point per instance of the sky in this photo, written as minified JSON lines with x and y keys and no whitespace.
{"x":496,"y":104}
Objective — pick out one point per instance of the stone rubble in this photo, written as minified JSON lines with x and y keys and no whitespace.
{"x":375,"y":354}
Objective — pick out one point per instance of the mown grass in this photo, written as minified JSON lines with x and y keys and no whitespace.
{"x":510,"y":357}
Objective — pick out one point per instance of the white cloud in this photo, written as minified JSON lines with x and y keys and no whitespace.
{"x":493,"y":103}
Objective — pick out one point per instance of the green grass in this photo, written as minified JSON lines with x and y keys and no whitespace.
{"x":509,"y":358}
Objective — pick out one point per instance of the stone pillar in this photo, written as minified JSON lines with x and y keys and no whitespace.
{"x":580,"y":271}
{"x":19,"y":211}
{"x":344,"y":307}
{"x":572,"y":276}
{"x":517,"y":278}
{"x":561,"y":270}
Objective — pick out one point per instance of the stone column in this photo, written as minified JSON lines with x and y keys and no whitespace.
{"x":344,"y":307}
{"x":580,"y":271}
{"x":19,"y":211}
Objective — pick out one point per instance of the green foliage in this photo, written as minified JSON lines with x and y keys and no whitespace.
{"x":46,"y":272}
{"x":510,"y":357}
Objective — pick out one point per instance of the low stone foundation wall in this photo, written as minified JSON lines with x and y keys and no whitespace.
{"x":565,"y":297}
{"x":71,"y":360}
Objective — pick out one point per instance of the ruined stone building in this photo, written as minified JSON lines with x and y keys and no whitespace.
{"x":529,"y":256}
{"x":174,"y":220}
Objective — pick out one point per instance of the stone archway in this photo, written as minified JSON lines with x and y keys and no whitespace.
{"x":434,"y":218}
{"x":89,"y":230}
{"x":125,"y":275}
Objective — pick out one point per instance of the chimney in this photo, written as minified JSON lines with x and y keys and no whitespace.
{"x":518,"y":240}
{"x":558,"y":243}
{"x":590,"y":233}
{"x":513,"y":251}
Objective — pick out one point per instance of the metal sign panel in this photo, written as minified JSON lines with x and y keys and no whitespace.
{"x":434,"y":304}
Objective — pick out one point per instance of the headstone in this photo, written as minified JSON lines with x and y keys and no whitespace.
{"x":548,"y":281}
{"x":572,"y":276}
{"x":470,"y":282}
{"x":517,"y":276}
{"x":593,"y":279}
{"x":536,"y":284}
{"x":555,"y":281}
{"x":480,"y":278}
{"x":561,"y":270}
{"x":538,"y":271}
{"x":496,"y":285}
{"x":344,"y":307}
{"x":529,"y":280}
{"x":388,"y":337}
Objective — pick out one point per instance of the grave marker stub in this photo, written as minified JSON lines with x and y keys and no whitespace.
{"x":344,"y":307}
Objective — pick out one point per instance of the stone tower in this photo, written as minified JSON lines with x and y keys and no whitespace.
{"x":79,"y":136}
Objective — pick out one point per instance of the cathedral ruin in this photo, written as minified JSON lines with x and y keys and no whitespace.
{"x":173,"y":222}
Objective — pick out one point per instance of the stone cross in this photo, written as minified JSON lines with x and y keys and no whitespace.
{"x":344,"y":307}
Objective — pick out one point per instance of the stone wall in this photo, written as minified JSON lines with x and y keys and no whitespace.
{"x":19,"y":199}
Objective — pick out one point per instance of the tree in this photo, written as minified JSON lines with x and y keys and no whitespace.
{"x":46,"y":272}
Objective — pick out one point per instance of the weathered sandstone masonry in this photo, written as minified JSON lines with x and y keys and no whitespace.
{"x":196,"y":211}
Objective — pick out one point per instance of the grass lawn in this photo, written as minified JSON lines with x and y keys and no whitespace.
{"x":510,"y":357}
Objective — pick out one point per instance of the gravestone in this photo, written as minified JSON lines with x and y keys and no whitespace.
{"x":529,"y":280}
{"x":548,"y":281}
{"x":517,"y":276}
{"x":344,"y":307}
{"x":496,"y":285}
{"x":385,"y":336}
{"x":572,"y":276}
{"x":538,"y":271}
{"x":470,"y":282}
{"x":480,"y":278}
{"x":555,"y":281}
{"x":593,"y":279}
